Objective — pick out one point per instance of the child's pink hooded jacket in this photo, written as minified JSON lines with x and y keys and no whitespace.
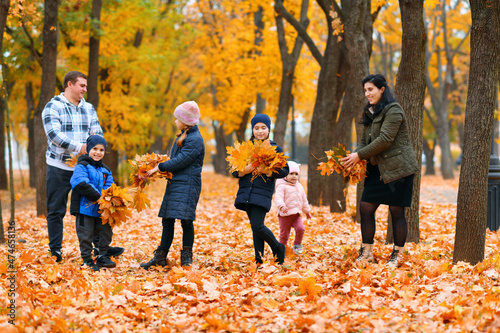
{"x":291,"y":195}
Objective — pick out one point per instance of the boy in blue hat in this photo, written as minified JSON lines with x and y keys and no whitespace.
{"x":90,"y":177}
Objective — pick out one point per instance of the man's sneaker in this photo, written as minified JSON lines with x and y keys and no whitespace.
{"x":56,"y":254}
{"x":105,"y":261}
{"x":298,"y":249}
{"x":112,"y":251}
{"x":91,"y":264}
{"x":115,"y":251}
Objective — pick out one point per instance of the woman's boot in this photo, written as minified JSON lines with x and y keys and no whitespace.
{"x":187,"y":256}
{"x":365,"y":253}
{"x":396,"y":255}
{"x":159,"y":259}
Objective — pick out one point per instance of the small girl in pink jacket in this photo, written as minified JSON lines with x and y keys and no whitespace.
{"x":290,"y":198}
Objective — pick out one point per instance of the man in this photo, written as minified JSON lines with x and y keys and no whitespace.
{"x":67,"y":120}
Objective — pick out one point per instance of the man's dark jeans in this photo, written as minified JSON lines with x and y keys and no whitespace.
{"x":58,"y":187}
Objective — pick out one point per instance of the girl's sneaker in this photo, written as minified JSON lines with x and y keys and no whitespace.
{"x":298,"y":249}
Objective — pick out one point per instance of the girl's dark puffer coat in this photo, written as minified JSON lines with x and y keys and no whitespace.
{"x":260,"y":191}
{"x":183,"y":190}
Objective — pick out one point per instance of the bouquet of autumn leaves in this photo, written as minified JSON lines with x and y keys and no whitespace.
{"x":113,"y":205}
{"x":352,"y":175}
{"x":140,"y":166}
{"x":257,"y":154}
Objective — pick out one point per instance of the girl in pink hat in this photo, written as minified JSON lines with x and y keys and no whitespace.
{"x":183,"y":190}
{"x":290,"y":198}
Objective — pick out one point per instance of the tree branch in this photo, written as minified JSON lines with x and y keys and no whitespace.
{"x":281,"y":10}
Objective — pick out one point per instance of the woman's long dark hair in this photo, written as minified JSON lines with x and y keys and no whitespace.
{"x":378,"y":81}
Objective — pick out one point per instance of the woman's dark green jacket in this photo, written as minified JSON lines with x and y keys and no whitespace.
{"x":386,"y":142}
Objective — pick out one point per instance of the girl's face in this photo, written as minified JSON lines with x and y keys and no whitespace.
{"x":260,"y":131}
{"x":372,"y":93}
{"x":97,"y":152}
{"x":292,"y":177}
{"x":180,"y":125}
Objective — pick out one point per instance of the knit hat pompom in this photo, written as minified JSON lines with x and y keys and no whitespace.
{"x":293,"y":167}
{"x":261,"y":118}
{"x":94,"y":140}
{"x":188,"y":113}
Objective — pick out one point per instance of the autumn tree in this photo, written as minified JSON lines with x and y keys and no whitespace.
{"x":4,"y":12}
{"x":479,"y":114}
{"x":344,"y":63}
{"x":49,"y":60}
{"x":410,"y":91}
{"x":448,"y":37}
{"x":289,"y":61}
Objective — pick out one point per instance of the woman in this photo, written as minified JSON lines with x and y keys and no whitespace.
{"x":386,"y":144}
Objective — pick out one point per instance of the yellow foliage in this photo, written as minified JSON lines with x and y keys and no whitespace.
{"x":259,"y":154}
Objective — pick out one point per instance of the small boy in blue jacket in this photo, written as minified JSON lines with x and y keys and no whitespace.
{"x":90,"y":177}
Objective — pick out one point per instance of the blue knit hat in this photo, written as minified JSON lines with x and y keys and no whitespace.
{"x":95,"y":140}
{"x":261,"y":118}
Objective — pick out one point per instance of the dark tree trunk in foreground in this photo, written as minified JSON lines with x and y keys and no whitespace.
{"x":92,"y":82}
{"x":31,"y":133}
{"x":410,"y":92}
{"x":479,"y":114}
{"x":4,"y":11}
{"x":46,"y":93}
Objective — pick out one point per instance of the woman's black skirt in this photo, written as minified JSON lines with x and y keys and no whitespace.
{"x":395,"y":193}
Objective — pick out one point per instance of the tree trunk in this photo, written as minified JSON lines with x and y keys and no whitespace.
{"x":4,"y":12}
{"x":3,"y":169}
{"x":47,"y":92}
{"x":410,"y":90}
{"x":92,"y":92}
{"x":472,"y":198}
{"x":357,"y":57}
{"x":260,"y":103}
{"x":30,"y":103}
{"x":429,"y":157}
{"x":222,"y":141}
{"x":322,"y":123}
{"x":289,"y":62}
{"x":443,"y":127}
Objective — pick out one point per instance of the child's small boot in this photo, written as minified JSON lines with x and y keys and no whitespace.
{"x":159,"y":259}
{"x":186,"y":256}
{"x":396,"y":255}
{"x":91,"y":264}
{"x":365,"y":253}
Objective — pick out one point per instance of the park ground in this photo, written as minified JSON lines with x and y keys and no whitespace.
{"x":322,"y":290}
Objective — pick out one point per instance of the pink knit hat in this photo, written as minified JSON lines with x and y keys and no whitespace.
{"x":188,"y":113}
{"x":294,"y":167}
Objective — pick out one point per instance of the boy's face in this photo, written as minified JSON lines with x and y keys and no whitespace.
{"x":97,"y":152}
{"x":292,"y":177}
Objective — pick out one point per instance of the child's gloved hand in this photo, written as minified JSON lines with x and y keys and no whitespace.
{"x":308,"y":215}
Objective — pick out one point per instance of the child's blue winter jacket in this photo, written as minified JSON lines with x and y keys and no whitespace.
{"x":88,"y":181}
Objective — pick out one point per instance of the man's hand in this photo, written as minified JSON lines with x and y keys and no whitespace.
{"x":83,"y":150}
